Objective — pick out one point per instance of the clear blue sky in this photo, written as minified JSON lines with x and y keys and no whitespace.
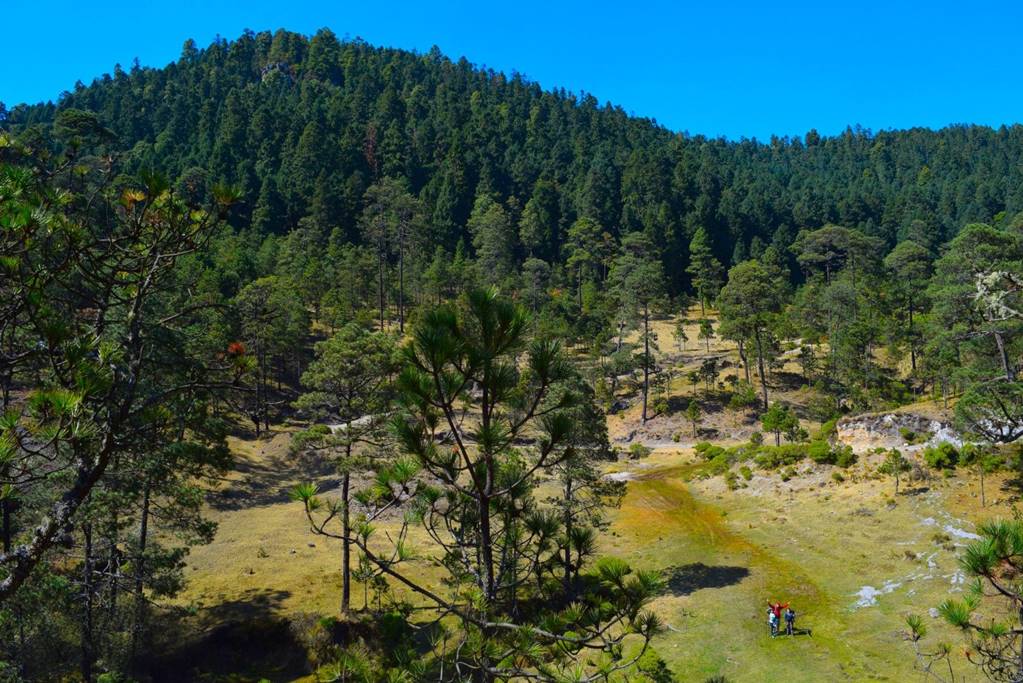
{"x":714,"y":67}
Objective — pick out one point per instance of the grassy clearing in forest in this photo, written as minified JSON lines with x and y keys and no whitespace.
{"x":852,"y":559}
{"x":726,"y":553}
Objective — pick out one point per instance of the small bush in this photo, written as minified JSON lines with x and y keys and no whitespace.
{"x":707,"y":450}
{"x":756,"y":439}
{"x":823,"y":408}
{"x":788,"y":473}
{"x":773,"y":457}
{"x":660,"y":405}
{"x":743,"y":397}
{"x":820,"y":452}
{"x":823,"y":453}
{"x":913,"y":437}
{"x":844,"y":456}
{"x":944,"y":456}
{"x":638,"y":450}
{"x":837,"y":476}
{"x":731,"y":480}
{"x":721,"y":462}
{"x":746,"y":472}
{"x":827,"y":430}
{"x":316,"y":636}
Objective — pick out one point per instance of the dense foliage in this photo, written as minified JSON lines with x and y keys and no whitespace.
{"x":305,"y":125}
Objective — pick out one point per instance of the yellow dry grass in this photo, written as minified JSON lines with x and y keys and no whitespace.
{"x":813,"y":541}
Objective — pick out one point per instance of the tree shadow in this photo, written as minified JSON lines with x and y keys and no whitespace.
{"x":787,"y":381}
{"x":249,"y":640}
{"x":710,"y":402}
{"x":1013,"y":485}
{"x":270,"y":483}
{"x":914,"y":490}
{"x":688,"y":578}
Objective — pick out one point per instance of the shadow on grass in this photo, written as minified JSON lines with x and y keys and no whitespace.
{"x":795,"y":632}
{"x":914,"y":491}
{"x":689,"y":578}
{"x":1013,"y":486}
{"x":270,"y":482}
{"x":250,"y":640}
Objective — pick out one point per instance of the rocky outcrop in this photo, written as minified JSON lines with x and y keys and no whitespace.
{"x":888,"y":430}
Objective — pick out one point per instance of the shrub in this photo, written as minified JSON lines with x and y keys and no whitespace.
{"x":773,"y":457}
{"x":823,"y":453}
{"x":820,"y":452}
{"x":971,"y":454}
{"x":746,"y":472}
{"x":788,"y":473}
{"x":721,"y":462}
{"x":743,"y":397}
{"x":731,"y":480}
{"x":756,"y":439}
{"x":944,"y":456}
{"x":827,"y":430}
{"x":913,"y":437}
{"x":837,"y":476}
{"x":638,"y":450}
{"x":316,"y":636}
{"x":823,"y":408}
{"x":660,"y":405}
{"x":707,"y":450}
{"x":844,"y":456}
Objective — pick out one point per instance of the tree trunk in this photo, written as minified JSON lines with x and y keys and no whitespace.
{"x":380,"y":293}
{"x":486,"y":548}
{"x":401,"y":286}
{"x":87,"y":630}
{"x":760,"y":367}
{"x":137,"y":626}
{"x":346,"y":550}
{"x":912,"y":345}
{"x":5,"y":510}
{"x":745,"y":361}
{"x":646,"y":357}
{"x":1003,"y":353}
{"x":568,"y":535}
{"x":114,"y":569}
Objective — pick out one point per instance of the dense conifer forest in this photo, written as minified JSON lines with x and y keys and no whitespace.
{"x":304,"y":126}
{"x":445,"y":295}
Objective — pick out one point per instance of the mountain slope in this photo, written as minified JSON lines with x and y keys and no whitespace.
{"x":303,"y":125}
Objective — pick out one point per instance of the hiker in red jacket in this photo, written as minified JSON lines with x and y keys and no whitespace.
{"x":777,"y":608}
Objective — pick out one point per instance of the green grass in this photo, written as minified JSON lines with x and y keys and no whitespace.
{"x":813,"y":545}
{"x":810,"y":550}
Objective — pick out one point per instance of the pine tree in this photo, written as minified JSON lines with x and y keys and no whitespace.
{"x":704,"y":269}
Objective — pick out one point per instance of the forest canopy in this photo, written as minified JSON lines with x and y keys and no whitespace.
{"x":303,"y":126}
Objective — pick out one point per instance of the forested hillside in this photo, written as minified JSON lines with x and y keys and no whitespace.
{"x":303,"y":126}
